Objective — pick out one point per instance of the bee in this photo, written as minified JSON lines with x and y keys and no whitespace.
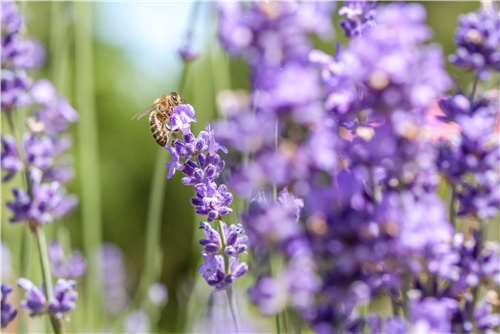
{"x":161,"y":112}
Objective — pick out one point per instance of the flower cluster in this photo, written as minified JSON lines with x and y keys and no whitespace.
{"x":36,"y":302}
{"x":41,"y":157}
{"x":7,"y":310}
{"x":359,"y":14}
{"x":114,"y":278}
{"x":477,"y":39}
{"x":201,"y":167}
{"x":18,"y":55}
{"x":72,"y":266}
{"x":370,"y":222}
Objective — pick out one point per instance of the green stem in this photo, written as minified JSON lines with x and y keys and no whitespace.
{"x":234,"y":308}
{"x":229,"y":292}
{"x":44,"y":262}
{"x":153,"y":224}
{"x":406,"y":286}
{"x":375,"y":192}
{"x":453,"y":199}
{"x":89,"y":160}
{"x":474,"y":86}
{"x":395,"y":307}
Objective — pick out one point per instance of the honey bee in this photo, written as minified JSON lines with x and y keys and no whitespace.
{"x":159,"y":118}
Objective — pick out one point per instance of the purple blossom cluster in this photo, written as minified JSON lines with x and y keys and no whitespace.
{"x":8,"y":313}
{"x":41,"y":157}
{"x":201,"y":167}
{"x":36,"y":302}
{"x":71,"y":266}
{"x":477,"y":39}
{"x":353,"y":146}
{"x":359,"y":14}
{"x":18,"y":55}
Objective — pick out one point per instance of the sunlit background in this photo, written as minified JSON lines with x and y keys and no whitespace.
{"x":136,"y":59}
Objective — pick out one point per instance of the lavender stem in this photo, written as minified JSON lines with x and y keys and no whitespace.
{"x":230,"y":296}
{"x":474,"y":86}
{"x":234,"y":308}
{"x":453,"y":199}
{"x":44,"y":262}
{"x":89,"y":160}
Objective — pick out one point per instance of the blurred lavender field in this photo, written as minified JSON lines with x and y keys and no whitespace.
{"x":333,"y":168}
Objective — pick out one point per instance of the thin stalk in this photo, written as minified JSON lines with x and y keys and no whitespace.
{"x":44,"y":262}
{"x":375,"y":192}
{"x":395,"y":308}
{"x":230,"y":296}
{"x":153,"y":224}
{"x":453,"y":199}
{"x":474,"y":87}
{"x":89,"y":160}
{"x":476,"y":290}
{"x":406,"y":287}
{"x":27,"y":239}
{"x":234,"y":308}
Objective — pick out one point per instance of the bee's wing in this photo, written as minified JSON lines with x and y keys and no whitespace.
{"x":145,"y":112}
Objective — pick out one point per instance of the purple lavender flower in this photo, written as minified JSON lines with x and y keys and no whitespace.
{"x":477,"y":39}
{"x":484,"y":318}
{"x":64,"y":298}
{"x":7,"y":310}
{"x":14,"y":88}
{"x":43,"y":92}
{"x":10,"y":20}
{"x":45,"y":204}
{"x":158,"y":294}
{"x":360,"y":15}
{"x":431,"y":315}
{"x":72,"y":266}
{"x":213,"y":270}
{"x":113,"y":277}
{"x":35,"y":297}
{"x":11,"y":161}
{"x":186,"y":51}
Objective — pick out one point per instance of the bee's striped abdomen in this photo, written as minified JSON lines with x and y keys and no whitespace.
{"x":159,"y":128}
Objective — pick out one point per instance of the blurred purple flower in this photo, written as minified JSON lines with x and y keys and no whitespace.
{"x":48,"y":201}
{"x":477,"y":39}
{"x":360,"y":15}
{"x":8,"y":313}
{"x":72,"y":266}
{"x":431,"y":315}
{"x":35,"y":297}
{"x":158,"y":294}
{"x":137,"y":321}
{"x":64,"y":298}
{"x":11,"y":161}
{"x":484,"y":318}
{"x":10,"y":20}
{"x":113,"y":277}
{"x":14,"y":89}
{"x":43,"y":92}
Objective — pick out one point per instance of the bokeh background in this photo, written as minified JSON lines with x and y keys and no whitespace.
{"x":135,"y":59}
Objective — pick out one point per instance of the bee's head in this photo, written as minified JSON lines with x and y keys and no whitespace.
{"x":176,"y":97}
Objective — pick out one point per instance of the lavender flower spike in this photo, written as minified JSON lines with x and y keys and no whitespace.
{"x":35,"y":297}
{"x":8,"y":312}
{"x":201,"y":167}
{"x":64,"y":298}
{"x":72,"y":266}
